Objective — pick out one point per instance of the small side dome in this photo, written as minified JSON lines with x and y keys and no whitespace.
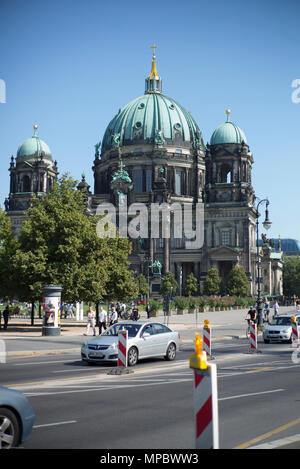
{"x":228,"y":132}
{"x":33,"y":148}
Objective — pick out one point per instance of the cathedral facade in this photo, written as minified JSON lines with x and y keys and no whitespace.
{"x":153,"y":153}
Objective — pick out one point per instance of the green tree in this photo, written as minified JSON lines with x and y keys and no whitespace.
{"x":142,"y":284}
{"x":191,"y":285}
{"x":59,"y":244}
{"x":212,"y":282}
{"x":169,"y":282}
{"x":8,"y":247}
{"x":291,"y":276}
{"x":238,"y":284}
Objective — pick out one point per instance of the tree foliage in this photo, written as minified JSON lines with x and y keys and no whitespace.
{"x":8,"y":247}
{"x":238,"y":284}
{"x":191,"y":285}
{"x":58,"y":244}
{"x":291,"y":276}
{"x":169,"y":282}
{"x":142,"y":284}
{"x":212,"y":282}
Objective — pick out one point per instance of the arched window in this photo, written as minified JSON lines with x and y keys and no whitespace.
{"x":226,"y":173}
{"x":26,"y":183}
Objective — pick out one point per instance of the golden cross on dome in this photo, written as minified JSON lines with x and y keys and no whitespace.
{"x":35,"y":127}
{"x":153,"y":47}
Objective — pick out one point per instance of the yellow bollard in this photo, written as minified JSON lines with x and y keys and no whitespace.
{"x":199,"y":358}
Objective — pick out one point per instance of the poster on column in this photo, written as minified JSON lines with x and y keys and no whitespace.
{"x":51,"y":308}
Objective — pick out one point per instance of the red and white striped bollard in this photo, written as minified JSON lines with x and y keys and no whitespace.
{"x":122,"y":348}
{"x":205,"y":399}
{"x":253,"y":337}
{"x":207,"y":338}
{"x":295,"y":335}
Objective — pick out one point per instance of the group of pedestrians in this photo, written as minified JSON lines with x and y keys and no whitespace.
{"x":116,"y":311}
{"x":252,"y":313}
{"x":104,"y":319}
{"x":68,"y":310}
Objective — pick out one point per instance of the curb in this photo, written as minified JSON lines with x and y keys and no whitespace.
{"x":41,"y":352}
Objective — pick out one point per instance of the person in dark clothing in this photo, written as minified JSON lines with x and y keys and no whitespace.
{"x":148,"y":309}
{"x":251,"y":315}
{"x":6,"y":316}
{"x":135,"y":313}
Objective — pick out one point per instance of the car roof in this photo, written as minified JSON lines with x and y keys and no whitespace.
{"x":141,"y":323}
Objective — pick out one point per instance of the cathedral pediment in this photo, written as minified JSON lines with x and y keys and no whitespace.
{"x":223,"y":253}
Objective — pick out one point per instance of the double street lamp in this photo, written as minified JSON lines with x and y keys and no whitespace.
{"x":266,"y":224}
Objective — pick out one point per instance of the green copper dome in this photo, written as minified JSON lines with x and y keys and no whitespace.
{"x":33,"y":148}
{"x":228,"y":133}
{"x":152,"y":119}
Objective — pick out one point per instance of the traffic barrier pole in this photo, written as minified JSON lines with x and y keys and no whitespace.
{"x":122,"y":348}
{"x":295,"y":335}
{"x":122,"y":367}
{"x":253,"y":337}
{"x":207,"y":338}
{"x":205,"y":399}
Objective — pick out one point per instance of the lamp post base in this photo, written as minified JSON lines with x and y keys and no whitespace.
{"x":50,"y":331}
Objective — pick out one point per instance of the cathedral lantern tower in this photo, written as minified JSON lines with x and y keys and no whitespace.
{"x":229,"y":202}
{"x":32,"y":172}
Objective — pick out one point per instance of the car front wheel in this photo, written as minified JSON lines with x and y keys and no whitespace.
{"x":132,"y":356}
{"x":9,"y":429}
{"x":171,"y":352}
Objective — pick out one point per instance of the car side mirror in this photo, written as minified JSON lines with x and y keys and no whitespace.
{"x":146,"y":334}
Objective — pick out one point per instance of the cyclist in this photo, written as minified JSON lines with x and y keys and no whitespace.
{"x":251,"y":317}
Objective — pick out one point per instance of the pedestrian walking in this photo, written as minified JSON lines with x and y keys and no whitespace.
{"x":6,"y":316}
{"x":91,"y":321}
{"x":71,"y":311}
{"x":276,"y":308}
{"x":119,"y":310}
{"x":148,"y":309}
{"x":267,"y":311}
{"x":135,"y":313}
{"x":113,"y":316}
{"x":102,"y":316}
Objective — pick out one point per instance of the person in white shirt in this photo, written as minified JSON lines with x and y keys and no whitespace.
{"x":91,"y":321}
{"x":276,"y":308}
{"x":114,"y":316}
{"x":102,"y":316}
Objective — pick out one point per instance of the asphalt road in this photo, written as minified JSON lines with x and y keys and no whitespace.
{"x":81,"y":406}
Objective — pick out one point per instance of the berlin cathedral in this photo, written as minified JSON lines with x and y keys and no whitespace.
{"x":162,"y":148}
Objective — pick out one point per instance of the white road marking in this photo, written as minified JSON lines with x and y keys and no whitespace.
{"x":250,"y":395}
{"x":54,"y":424}
{"x":277,"y":443}
{"x":42,"y":363}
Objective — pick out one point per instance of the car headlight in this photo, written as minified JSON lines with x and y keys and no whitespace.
{"x":286,"y":331}
{"x":113,"y":346}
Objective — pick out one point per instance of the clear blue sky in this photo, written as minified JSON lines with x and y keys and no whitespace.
{"x":69,"y":65}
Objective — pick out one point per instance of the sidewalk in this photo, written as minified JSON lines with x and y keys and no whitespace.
{"x":22,"y":339}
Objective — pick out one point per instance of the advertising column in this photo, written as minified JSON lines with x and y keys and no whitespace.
{"x":51,"y":309}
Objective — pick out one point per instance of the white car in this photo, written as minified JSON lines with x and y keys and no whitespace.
{"x":280,"y":328}
{"x":145,"y":340}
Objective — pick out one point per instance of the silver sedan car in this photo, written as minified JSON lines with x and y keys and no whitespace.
{"x":16,"y":418}
{"x":145,"y":340}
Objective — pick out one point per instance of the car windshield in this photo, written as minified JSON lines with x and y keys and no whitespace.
{"x":132,"y":329}
{"x":284,"y":321}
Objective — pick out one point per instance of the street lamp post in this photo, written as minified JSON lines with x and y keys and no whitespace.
{"x":148,"y":260}
{"x":266,"y":225}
